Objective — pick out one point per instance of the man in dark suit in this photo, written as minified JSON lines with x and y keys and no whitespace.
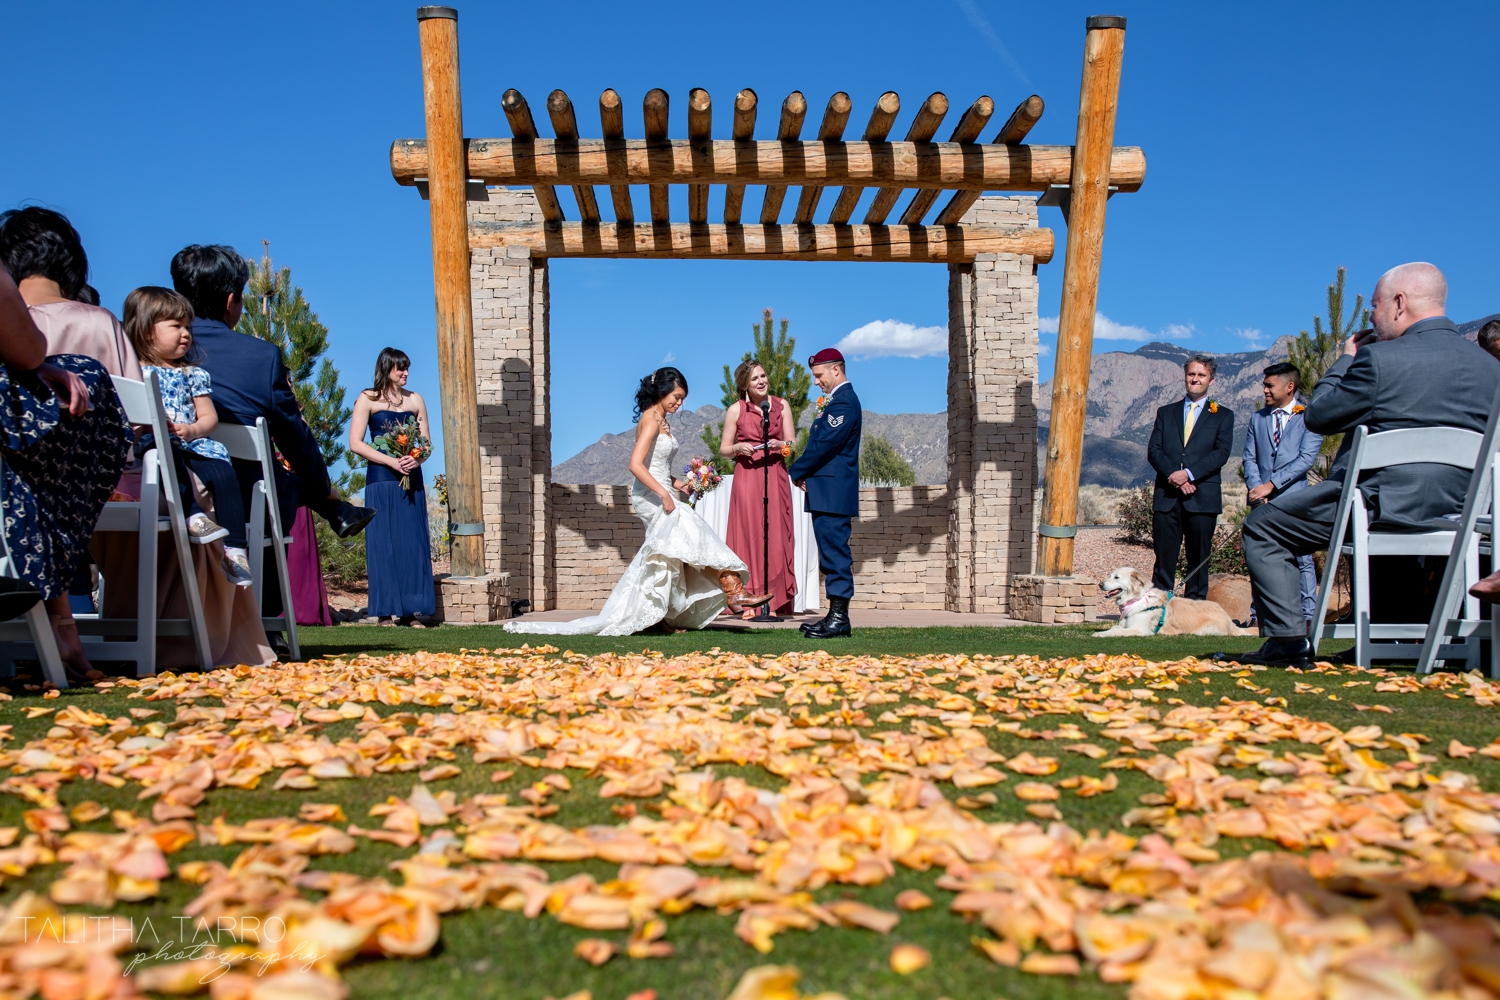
{"x":251,"y":380}
{"x":1189,"y":445}
{"x":828,"y":472}
{"x":1413,"y":369}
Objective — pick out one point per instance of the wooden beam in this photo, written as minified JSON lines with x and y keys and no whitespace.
{"x":793,"y":111}
{"x":881,"y":120}
{"x":524,"y":129}
{"x":966,"y":131}
{"x":835,"y":119}
{"x":1021,"y":120}
{"x":700,"y":130}
{"x":654,"y":110}
{"x":447,"y":186}
{"x":744,"y":131}
{"x":565,"y":125}
{"x":951,"y":165}
{"x":1027,"y":114}
{"x":923,"y":128}
{"x":612,"y":124}
{"x":915,"y":244}
{"x":1103,"y":54}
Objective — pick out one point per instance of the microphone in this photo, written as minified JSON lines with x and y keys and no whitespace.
{"x":765,"y":408}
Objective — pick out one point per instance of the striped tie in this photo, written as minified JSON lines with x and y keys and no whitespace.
{"x":1276,"y":431}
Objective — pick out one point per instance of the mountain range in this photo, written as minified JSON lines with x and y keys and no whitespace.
{"x":1125,"y":390}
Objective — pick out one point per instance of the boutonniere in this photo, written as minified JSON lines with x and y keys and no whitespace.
{"x":822,"y":402}
{"x":1298,"y":409}
{"x":1213,"y":406}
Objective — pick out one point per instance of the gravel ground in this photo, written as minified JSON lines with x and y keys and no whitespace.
{"x":1097,"y":552}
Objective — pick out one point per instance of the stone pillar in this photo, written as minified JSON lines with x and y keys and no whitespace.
{"x":512,"y":364}
{"x":992,"y":415}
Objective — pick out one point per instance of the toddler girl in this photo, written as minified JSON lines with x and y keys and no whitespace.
{"x":159,"y":323}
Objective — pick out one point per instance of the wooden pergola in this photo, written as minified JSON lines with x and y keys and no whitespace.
{"x":956,"y":172}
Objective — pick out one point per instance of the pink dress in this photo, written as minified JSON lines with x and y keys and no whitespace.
{"x":746,"y":536}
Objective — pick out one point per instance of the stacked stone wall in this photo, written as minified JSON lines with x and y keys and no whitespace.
{"x":899,"y":544}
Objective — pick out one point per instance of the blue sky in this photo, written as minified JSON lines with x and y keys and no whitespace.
{"x":1282,"y":141}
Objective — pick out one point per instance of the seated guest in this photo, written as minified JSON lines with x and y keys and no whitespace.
{"x":1413,"y":369}
{"x":1189,"y":444}
{"x":159,"y":324}
{"x":1489,"y":337}
{"x":251,"y":380}
{"x":63,"y":441}
{"x":45,"y":257}
{"x":1279,"y":453}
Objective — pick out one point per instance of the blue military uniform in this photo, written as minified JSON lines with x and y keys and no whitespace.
{"x":830,"y":468}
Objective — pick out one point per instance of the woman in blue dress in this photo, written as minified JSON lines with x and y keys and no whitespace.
{"x":398,"y":556}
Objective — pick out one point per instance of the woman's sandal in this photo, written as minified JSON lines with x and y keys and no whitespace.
{"x":69,"y":651}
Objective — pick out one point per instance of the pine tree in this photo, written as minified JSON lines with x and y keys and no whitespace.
{"x":881,"y":465}
{"x":788,"y":379}
{"x":277,"y":311}
{"x":1314,"y":354}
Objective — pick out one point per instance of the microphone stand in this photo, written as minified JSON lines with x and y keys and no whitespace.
{"x":763,"y":613}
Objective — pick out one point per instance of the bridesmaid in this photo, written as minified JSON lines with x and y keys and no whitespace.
{"x":742,"y":442}
{"x":398,"y":556}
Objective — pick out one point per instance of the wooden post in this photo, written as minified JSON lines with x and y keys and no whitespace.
{"x":1103,"y":53}
{"x":447,"y":181}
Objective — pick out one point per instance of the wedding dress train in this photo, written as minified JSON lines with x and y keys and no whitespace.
{"x":673,"y":578}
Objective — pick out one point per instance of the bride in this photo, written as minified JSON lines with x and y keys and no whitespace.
{"x":683,"y":575}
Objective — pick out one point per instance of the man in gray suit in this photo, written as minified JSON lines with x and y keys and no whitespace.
{"x":1279,"y":453}
{"x":1412,"y":370}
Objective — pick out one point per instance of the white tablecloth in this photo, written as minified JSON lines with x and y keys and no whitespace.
{"x":714,"y":508}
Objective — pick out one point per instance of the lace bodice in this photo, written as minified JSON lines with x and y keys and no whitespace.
{"x":663,"y":453}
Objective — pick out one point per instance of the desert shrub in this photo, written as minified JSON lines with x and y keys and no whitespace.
{"x":1228,"y":552}
{"x":1091,"y":509}
{"x":1133,"y":513}
{"x":343,"y":558}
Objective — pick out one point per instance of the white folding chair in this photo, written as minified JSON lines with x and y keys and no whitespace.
{"x":32,"y":627}
{"x":1368,"y":452}
{"x":1477,"y":522}
{"x":143,"y":406}
{"x":253,"y":444}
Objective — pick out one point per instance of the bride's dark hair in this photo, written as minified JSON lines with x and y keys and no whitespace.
{"x":658,"y":384}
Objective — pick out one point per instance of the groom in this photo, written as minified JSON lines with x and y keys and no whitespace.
{"x":828,"y":472}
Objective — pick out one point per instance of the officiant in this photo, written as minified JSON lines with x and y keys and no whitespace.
{"x":756,"y":428}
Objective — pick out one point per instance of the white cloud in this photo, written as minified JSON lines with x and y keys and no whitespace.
{"x":987,"y":32}
{"x":891,"y":338}
{"x":1107,"y":329}
{"x":1254,"y":339}
{"x":1043,"y":350}
{"x":669,"y":358}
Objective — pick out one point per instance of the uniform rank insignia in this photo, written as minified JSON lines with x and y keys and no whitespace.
{"x":835,"y":421}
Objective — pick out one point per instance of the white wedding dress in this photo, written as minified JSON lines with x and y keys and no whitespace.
{"x":673,"y":578}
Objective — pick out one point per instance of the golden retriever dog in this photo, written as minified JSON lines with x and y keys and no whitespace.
{"x":1141,"y":608}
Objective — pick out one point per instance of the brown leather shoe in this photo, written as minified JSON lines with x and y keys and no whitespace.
{"x":734,"y":593}
{"x":1487,"y":589}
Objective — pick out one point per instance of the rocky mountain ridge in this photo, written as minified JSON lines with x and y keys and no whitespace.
{"x":1125,"y":390}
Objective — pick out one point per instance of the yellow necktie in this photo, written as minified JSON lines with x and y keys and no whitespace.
{"x":1187,"y":425}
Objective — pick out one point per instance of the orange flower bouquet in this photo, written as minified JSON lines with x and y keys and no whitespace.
{"x":402,"y":440}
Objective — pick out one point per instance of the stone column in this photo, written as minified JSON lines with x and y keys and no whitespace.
{"x":512,"y":364}
{"x":992,"y":377}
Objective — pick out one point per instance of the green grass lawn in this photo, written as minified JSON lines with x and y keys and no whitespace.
{"x":490,"y":953}
{"x":1032,"y":640}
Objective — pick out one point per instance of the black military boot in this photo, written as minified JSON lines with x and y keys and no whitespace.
{"x":837,"y":622}
{"x":807,"y":627}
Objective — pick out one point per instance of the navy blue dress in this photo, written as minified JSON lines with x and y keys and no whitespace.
{"x":398,"y":556}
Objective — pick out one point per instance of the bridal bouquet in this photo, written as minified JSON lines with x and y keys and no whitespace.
{"x":701,"y":477}
{"x":403,"y":439}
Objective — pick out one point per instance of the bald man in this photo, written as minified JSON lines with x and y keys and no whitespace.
{"x":1412,"y":369}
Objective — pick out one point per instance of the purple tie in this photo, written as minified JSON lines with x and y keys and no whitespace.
{"x":1276,"y":431}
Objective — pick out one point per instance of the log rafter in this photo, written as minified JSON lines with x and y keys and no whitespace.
{"x":657,"y":161}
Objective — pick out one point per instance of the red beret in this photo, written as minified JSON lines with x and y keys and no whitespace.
{"x":824,"y":356}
